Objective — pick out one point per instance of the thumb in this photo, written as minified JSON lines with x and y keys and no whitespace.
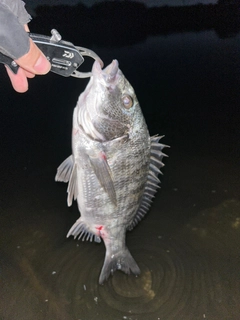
{"x":34,"y":60}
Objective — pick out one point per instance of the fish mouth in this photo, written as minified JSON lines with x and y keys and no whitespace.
{"x":111,"y":71}
{"x":91,"y":113}
{"x":109,"y":74}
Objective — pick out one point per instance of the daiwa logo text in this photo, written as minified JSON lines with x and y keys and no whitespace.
{"x":68,"y":54}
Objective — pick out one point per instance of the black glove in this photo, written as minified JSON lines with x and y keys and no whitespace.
{"x":14,"y":40}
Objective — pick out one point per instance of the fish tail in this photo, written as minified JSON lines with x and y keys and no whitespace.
{"x":122,"y":260}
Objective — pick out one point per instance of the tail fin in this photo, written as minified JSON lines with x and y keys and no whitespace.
{"x":123,"y":261}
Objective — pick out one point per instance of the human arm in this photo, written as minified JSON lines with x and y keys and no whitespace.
{"x":15,"y":42}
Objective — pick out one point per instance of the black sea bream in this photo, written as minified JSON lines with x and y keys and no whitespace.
{"x":113,"y":169}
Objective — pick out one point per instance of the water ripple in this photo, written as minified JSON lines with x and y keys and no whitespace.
{"x":193,"y":275}
{"x":175,"y":283}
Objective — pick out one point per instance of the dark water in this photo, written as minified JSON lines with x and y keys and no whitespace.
{"x":188,"y":246}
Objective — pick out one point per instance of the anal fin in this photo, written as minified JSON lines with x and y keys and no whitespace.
{"x":81,"y":230}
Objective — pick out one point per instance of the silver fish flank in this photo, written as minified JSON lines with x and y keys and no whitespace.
{"x":114,"y":166}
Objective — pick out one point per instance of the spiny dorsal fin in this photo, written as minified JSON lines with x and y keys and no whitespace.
{"x":152,"y":182}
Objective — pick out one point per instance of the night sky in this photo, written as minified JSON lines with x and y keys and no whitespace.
{"x":149,"y":3}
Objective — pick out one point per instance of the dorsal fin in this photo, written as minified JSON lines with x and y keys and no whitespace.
{"x":152,"y":182}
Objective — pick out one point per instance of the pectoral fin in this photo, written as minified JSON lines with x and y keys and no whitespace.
{"x":104,"y":175}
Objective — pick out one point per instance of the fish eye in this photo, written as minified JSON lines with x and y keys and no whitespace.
{"x":127,"y":101}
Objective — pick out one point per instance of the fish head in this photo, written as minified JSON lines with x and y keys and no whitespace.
{"x":107,"y":107}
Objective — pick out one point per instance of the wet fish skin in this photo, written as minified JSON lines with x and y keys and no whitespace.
{"x":112,"y":172}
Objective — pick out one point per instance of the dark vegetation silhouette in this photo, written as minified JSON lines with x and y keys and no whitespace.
{"x":119,"y":23}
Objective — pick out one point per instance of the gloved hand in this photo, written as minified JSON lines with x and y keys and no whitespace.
{"x":15,"y":43}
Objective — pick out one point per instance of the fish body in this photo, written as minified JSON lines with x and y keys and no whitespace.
{"x":112,"y":172}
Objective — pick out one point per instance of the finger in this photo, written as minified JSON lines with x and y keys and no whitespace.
{"x":19,"y":80}
{"x":29,"y":74}
{"x":26,"y":28}
{"x":34,"y":61}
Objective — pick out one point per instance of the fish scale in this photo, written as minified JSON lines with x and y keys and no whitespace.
{"x":114,"y":166}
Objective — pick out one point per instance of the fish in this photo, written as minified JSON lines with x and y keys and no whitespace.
{"x":114,"y":166}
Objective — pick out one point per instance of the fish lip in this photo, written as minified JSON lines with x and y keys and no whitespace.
{"x":109,"y":74}
{"x":111,"y":71}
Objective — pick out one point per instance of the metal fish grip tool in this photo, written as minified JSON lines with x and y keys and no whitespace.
{"x":65,"y":58}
